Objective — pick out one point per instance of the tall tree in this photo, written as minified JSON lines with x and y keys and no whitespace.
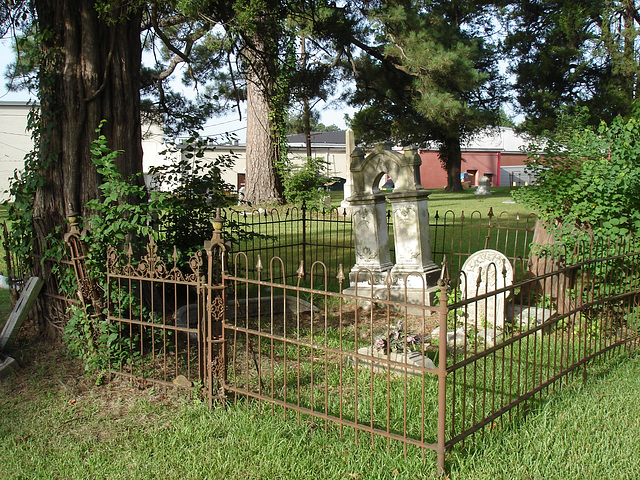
{"x":88,"y":68}
{"x":260,"y":38}
{"x":567,"y":55}
{"x":431,"y":77}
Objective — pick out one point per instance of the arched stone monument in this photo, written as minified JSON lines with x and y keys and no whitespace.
{"x":414,"y":270}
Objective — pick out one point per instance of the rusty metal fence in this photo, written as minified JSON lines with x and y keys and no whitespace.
{"x":325,"y":235}
{"x":426,"y":377}
{"x":273,"y":327}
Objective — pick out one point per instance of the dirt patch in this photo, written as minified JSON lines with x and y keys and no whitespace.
{"x":47,"y":369}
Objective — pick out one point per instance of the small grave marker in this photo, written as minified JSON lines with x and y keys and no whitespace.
{"x":486,"y":271}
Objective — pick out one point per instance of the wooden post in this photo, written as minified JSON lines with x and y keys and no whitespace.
{"x":20,"y":311}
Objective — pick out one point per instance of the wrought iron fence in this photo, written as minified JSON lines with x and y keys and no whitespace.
{"x":281,"y":332}
{"x":59,"y":291}
{"x":425,"y":377}
{"x":308,"y":235}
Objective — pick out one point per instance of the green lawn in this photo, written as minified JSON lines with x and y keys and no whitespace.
{"x":466,"y":201}
{"x":5,"y":306}
{"x":123,"y":432}
{"x":116,"y":431}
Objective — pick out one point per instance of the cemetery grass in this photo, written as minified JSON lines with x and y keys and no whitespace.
{"x":56,"y":423}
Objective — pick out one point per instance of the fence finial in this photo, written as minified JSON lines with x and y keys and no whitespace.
{"x":216,"y":236}
{"x":341,"y":276}
{"x":444,"y":272}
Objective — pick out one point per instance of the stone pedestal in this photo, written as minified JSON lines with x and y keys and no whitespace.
{"x":371,"y":238}
{"x":413,"y":278}
{"x":414,"y":266}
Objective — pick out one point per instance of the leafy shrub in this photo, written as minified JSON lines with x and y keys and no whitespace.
{"x":305,"y":183}
{"x":588,"y":179}
{"x":197,"y":190}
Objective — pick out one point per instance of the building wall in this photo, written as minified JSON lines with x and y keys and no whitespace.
{"x":15,"y":142}
{"x":334,"y":156}
{"x":432,"y":175}
{"x":510,"y":159}
{"x":479,"y":163}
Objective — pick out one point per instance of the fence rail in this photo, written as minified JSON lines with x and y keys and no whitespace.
{"x":326,"y":235}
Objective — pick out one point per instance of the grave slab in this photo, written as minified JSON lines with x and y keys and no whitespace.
{"x":21,"y":310}
{"x":414,"y":363}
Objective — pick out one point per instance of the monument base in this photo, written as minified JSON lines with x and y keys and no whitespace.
{"x":398,"y":286}
{"x":398,"y":296}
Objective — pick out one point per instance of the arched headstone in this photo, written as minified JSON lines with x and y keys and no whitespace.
{"x":484,"y":272}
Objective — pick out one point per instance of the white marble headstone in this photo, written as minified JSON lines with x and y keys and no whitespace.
{"x":486,"y":271}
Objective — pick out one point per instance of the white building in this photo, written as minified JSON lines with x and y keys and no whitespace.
{"x":16,"y":142}
{"x":328,"y":145}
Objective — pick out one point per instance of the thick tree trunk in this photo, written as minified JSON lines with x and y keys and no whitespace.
{"x":262,"y":183}
{"x":451,"y":158}
{"x":90,"y":72}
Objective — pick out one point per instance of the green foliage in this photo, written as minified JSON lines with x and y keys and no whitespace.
{"x":23,"y":187}
{"x":181,"y":218}
{"x":305,"y":183}
{"x":432,"y":77}
{"x":571,"y":54}
{"x":97,"y":344}
{"x":113,"y":220}
{"x":588,"y":180}
{"x":197,"y":190}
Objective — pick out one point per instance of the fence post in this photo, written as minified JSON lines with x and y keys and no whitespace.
{"x":215,"y":310}
{"x":88,"y":294}
{"x":443,"y":310}
{"x":488,"y":237}
{"x":304,"y":230}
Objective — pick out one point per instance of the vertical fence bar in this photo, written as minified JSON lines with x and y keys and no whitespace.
{"x":443,"y":310}
{"x":304,"y":231}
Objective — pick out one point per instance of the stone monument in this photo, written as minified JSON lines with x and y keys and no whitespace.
{"x":414,"y":272}
{"x":483,"y":272}
{"x":483,"y":186}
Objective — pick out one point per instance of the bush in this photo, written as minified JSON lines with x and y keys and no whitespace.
{"x":588,"y":179}
{"x":197,"y":190}
{"x":305,"y":183}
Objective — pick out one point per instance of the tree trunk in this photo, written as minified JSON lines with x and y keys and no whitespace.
{"x":451,"y":158}
{"x":90,"y":71}
{"x":556,"y":287}
{"x":262,"y":184}
{"x":264,"y":135}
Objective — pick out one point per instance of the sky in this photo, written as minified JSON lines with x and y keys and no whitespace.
{"x":329,"y":113}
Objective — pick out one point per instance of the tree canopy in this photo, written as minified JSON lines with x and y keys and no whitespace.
{"x":431,"y":77}
{"x":570,"y":55}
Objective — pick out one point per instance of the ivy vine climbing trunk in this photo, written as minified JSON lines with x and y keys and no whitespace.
{"x":89,"y":71}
